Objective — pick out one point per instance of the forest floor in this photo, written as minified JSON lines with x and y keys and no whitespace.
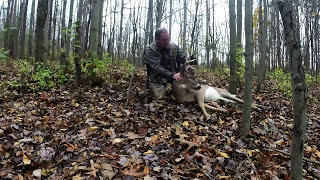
{"x":87,"y":133}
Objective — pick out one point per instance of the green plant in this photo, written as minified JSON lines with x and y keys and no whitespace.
{"x":126,"y":67}
{"x":95,"y":66}
{"x":283,"y":81}
{"x":240,"y":63}
{"x":43,"y":77}
{"x":23,"y":66}
{"x":14,"y":84}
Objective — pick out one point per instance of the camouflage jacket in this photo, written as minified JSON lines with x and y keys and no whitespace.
{"x":163,"y":63}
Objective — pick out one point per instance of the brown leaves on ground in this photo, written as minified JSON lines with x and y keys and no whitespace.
{"x":88,"y":134}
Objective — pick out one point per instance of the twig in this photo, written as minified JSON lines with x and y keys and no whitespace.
{"x":206,"y":174}
{"x":129,"y":88}
{"x":288,"y":154}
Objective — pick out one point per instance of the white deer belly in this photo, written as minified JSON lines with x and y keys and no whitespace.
{"x":211,"y":95}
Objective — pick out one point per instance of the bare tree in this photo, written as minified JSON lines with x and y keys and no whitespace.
{"x":150,"y":15}
{"x":299,"y":89}
{"x":207,"y":41}
{"x":63,"y":59}
{"x":100,"y":45}
{"x":239,"y":23}
{"x":69,"y":30}
{"x":159,"y":13}
{"x":193,"y":31}
{"x":24,"y":10}
{"x":233,"y":63}
{"x":170,"y":17}
{"x":77,"y":46}
{"x":41,"y":46}
{"x":13,"y":41}
{"x":119,"y":43}
{"x":184,"y":36}
{"x":54,"y":29}
{"x":245,"y":124}
{"x":262,"y":43}
{"x":93,"y":43}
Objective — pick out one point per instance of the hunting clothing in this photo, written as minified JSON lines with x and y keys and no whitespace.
{"x":162,"y":64}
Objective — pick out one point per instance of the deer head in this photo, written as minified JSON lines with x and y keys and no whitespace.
{"x":187,"y":73}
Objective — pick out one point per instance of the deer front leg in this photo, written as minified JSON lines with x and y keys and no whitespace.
{"x":204,"y":111}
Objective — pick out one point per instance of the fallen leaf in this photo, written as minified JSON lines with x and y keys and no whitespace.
{"x":37,"y":173}
{"x":317,"y":153}
{"x":116,"y":140}
{"x":26,"y":160}
{"x":147,"y":152}
{"x":157,"y":168}
{"x":225,"y":155}
{"x":132,"y":135}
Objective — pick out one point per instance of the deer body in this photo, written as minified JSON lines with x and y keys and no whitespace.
{"x":189,"y":90}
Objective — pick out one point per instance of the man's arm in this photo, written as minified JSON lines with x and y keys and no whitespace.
{"x":153,"y":60}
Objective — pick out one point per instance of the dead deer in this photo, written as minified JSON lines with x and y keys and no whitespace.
{"x":189,"y":90}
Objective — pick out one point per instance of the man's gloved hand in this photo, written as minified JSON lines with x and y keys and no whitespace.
{"x":177,"y":77}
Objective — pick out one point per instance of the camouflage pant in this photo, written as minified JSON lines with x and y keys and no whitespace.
{"x":158,"y":90}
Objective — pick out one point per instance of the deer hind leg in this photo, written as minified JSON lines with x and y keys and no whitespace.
{"x":218,"y":108}
{"x":233,"y":97}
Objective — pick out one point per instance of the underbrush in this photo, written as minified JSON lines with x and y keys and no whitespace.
{"x":283,"y":81}
{"x":27,"y":76}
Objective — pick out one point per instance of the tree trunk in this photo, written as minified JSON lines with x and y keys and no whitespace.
{"x":7,"y":26}
{"x":49,"y":26}
{"x":246,"y":119}
{"x":84,"y":39}
{"x":262,"y":44}
{"x":184,"y":40}
{"x":299,"y":90}
{"x":159,"y":13}
{"x":278,"y":40}
{"x":93,"y":43}
{"x":151,"y":21}
{"x":233,"y":63}
{"x":100,"y":44}
{"x":63,"y":59}
{"x":239,"y":23}
{"x":41,"y":46}
{"x":147,"y":27}
{"x":214,"y":47}
{"x":54,"y":30}
{"x":207,"y":40}
{"x":24,"y":10}
{"x":69,"y":30}
{"x":119,"y":49}
{"x":170,"y":18}
{"x":14,"y":31}
{"x":192,"y":37}
{"x":77,"y":45}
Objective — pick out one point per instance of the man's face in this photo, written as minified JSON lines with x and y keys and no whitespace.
{"x":164,"y":40}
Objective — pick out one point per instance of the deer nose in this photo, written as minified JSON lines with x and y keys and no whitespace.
{"x":198,"y":87}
